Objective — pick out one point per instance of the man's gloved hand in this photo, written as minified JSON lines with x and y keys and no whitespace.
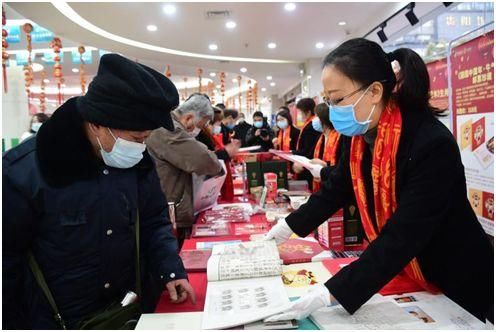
{"x":317,"y":297}
{"x":281,"y":232}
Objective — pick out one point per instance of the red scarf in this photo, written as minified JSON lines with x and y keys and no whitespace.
{"x":330,"y":149}
{"x":384,"y":181}
{"x":307,"y":123}
{"x":284,"y":139}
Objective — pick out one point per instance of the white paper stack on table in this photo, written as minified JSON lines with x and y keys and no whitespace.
{"x":249,"y":148}
{"x":414,"y":311}
{"x":305,"y":162}
{"x":244,"y":284}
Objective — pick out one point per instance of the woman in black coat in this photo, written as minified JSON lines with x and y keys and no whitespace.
{"x":288,"y":134}
{"x":421,"y":224}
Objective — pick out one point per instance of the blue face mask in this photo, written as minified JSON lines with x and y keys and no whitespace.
{"x":230,"y":126}
{"x":282,"y":124}
{"x":317,"y":125}
{"x":258,"y":124}
{"x":344,"y":121}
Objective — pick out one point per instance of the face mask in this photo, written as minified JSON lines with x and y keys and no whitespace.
{"x":36,"y":126}
{"x":258,"y":124}
{"x":344,"y":121}
{"x":230,"y":126}
{"x":124,"y":154}
{"x":217,"y":130}
{"x":317,"y":125}
{"x":195,"y":132}
{"x":282,"y":124}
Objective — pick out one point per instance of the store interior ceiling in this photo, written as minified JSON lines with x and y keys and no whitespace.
{"x":253,"y":40}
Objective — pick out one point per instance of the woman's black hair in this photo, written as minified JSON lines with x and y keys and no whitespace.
{"x":322,"y":111}
{"x":365,"y":62}
{"x":41,"y":117}
{"x":284,"y":108}
{"x":306,"y":105}
{"x":259,"y":114}
{"x":286,"y":114}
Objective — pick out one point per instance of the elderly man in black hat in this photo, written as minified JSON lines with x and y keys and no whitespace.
{"x":82,"y":196}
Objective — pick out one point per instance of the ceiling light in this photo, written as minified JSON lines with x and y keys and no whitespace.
{"x":271,"y":45}
{"x":46,"y":80}
{"x":269,"y":78}
{"x":272,"y":83}
{"x":290,"y":6}
{"x":243,"y":70}
{"x":264,"y":89}
{"x":342,"y":23}
{"x":381,"y":34}
{"x":234,"y":80}
{"x":37,"y":67}
{"x":218,"y":86}
{"x":75,"y":70}
{"x":410,"y":15}
{"x":169,"y":9}
{"x":151,"y":27}
{"x":230,"y":24}
{"x":319,"y":45}
{"x":213,"y":47}
{"x":212,"y":74}
{"x":309,"y":76}
{"x":65,"y":9}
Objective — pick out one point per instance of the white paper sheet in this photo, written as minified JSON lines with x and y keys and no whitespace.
{"x":172,"y":321}
{"x":237,"y":302}
{"x":305,"y":162}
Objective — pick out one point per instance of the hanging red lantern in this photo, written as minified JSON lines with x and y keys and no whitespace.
{"x":222,"y":85}
{"x":5,"y":55}
{"x":28,"y":69}
{"x":56,"y":45}
{"x":82,"y":77}
{"x":199,"y":72}
{"x":239,"y":92}
{"x":255,"y":96}
{"x":42,"y":93}
{"x":168,"y":72}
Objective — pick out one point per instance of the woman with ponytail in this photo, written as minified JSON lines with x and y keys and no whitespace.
{"x":403,"y":167}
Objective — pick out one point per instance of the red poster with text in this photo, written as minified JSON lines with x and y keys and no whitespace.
{"x":438,"y":74}
{"x":472,"y":75}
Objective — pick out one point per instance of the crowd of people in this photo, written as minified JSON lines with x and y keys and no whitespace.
{"x":88,"y":197}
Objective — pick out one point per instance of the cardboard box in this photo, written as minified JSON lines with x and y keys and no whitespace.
{"x":280,"y":168}
{"x":331,"y":233}
{"x":254,"y":174}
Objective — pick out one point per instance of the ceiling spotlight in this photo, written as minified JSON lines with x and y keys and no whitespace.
{"x":272,"y":83}
{"x":342,"y":23}
{"x":264,"y":89}
{"x":75,"y":70}
{"x":319,"y":45}
{"x":309,"y":76}
{"x":218,"y":86}
{"x":381,"y":34}
{"x":151,"y":27}
{"x":169,"y":9}
{"x":230,"y":24}
{"x":234,"y":80}
{"x":269,"y":78}
{"x":410,"y":15}
{"x":212,"y":74}
{"x":271,"y":45}
{"x":290,"y":6}
{"x":243,"y":70}
{"x":46,"y":80}
{"x":213,"y":47}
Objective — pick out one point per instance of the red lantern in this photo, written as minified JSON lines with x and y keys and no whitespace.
{"x":199,"y":72}
{"x":168,"y":72}
{"x":82,"y":78}
{"x":56,"y":45}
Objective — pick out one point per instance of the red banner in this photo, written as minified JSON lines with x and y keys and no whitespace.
{"x":438,"y":74}
{"x":472,"y":74}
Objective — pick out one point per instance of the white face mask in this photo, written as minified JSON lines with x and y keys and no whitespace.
{"x":195,"y":132}
{"x":124,"y":154}
{"x":36,"y":126}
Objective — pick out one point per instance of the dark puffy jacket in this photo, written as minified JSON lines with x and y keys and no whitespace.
{"x":77,"y":216}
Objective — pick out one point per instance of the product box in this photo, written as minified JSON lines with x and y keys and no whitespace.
{"x":353,"y":229}
{"x":280,"y":168}
{"x":331,"y":233}
{"x":254,"y":174}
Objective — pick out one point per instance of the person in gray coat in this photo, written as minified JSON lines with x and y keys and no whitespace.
{"x":178,"y":155}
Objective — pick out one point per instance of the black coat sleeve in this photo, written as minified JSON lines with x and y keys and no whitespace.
{"x":334,"y":193}
{"x":250,"y":137}
{"x":425,"y":199}
{"x":157,"y":239}
{"x":295,"y":133}
{"x":18,"y":228}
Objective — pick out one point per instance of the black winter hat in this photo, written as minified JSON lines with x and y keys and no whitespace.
{"x":129,"y":96}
